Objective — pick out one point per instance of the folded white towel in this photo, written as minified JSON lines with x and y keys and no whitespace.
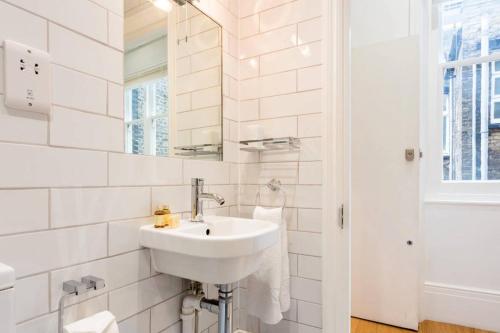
{"x":269,"y":288}
{"x":102,"y":322}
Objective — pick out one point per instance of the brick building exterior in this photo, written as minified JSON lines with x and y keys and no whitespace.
{"x":471,"y":120}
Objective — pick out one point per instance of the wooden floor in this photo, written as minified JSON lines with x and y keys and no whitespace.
{"x":363,"y":326}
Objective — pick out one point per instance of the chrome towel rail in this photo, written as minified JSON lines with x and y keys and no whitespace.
{"x":75,"y":288}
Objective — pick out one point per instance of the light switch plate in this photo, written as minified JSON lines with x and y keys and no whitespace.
{"x":27,"y":78}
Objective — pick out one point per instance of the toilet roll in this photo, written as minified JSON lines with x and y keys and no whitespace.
{"x":102,"y":322}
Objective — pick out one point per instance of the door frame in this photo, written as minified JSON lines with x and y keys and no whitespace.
{"x":336,"y":250}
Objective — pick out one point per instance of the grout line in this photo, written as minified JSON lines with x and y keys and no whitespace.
{"x":51,"y":21}
{"x":256,"y":13}
{"x":82,"y":110}
{"x":280,"y":27}
{"x":107,"y":239}
{"x":201,"y":89}
{"x":102,"y":115}
{"x":52,"y":270}
{"x":296,"y":45}
{"x":79,"y":33}
{"x":202,"y":51}
{"x":282,"y":117}
{"x":108,"y":173}
{"x":107,"y":28}
{"x":107,"y":9}
{"x":88,"y":74}
{"x":49,"y":210}
{"x":83,"y":73}
{"x":48,"y":37}
{"x":150,"y":319}
{"x":282,"y":95}
{"x":49,"y":290}
{"x":107,"y":98}
{"x":92,"y":224}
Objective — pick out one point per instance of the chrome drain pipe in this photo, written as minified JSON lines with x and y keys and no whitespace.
{"x":225,"y":308}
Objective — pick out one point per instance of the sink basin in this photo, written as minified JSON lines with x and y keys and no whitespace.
{"x":220,"y":250}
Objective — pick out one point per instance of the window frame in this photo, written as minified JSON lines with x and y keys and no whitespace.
{"x":436,"y":188}
{"x":148,"y":120}
{"x":447,"y":140}
{"x":495,"y":98}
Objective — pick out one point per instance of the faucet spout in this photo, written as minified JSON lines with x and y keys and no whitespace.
{"x":213,"y":196}
{"x":197,"y":198}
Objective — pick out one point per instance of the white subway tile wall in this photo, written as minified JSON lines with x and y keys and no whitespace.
{"x":198,"y":79}
{"x":71,"y":202}
{"x":280,"y":90}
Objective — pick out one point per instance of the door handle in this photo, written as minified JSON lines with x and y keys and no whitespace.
{"x":410,"y":154}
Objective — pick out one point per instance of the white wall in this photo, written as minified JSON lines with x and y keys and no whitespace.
{"x":198,"y":79}
{"x":382,"y":20}
{"x":280,"y":90}
{"x":71,"y":202}
{"x":460,"y":266}
{"x":462,"y":269}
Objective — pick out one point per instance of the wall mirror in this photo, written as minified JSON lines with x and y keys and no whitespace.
{"x":173,"y":80}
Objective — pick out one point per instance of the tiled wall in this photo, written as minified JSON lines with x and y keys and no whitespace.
{"x":71,"y":202}
{"x":199,"y":84}
{"x":280,"y":89}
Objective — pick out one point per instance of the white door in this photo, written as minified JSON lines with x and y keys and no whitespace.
{"x":385,"y":191}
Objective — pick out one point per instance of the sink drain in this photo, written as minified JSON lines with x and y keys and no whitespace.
{"x":207,"y":232}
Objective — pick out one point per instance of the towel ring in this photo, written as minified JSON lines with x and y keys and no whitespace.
{"x":275,"y":186}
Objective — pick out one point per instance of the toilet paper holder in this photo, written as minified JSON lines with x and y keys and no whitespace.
{"x":75,"y":288}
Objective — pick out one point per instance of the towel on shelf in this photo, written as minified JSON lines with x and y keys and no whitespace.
{"x":268,"y":293}
{"x":102,"y":322}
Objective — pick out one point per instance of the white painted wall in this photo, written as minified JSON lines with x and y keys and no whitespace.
{"x":460,"y":228}
{"x":382,"y":20}
{"x":462,"y":269}
{"x":460,"y":266}
{"x":461,"y":242}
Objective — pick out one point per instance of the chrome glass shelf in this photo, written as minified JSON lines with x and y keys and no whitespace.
{"x":199,"y":150}
{"x":271,"y":144}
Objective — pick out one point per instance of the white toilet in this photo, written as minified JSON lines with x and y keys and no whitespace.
{"x":7,"y":279}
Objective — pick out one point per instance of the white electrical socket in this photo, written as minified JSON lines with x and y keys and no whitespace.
{"x":27,"y":78}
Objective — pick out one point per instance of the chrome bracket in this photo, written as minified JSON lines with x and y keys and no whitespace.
{"x":76,"y":288}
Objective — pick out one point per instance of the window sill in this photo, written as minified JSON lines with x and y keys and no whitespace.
{"x":462,"y":200}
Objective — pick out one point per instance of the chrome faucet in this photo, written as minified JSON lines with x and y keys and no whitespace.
{"x":197,"y":197}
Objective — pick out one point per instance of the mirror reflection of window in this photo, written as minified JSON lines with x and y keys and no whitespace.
{"x":146,"y":79}
{"x":172,"y":80}
{"x":146,"y":117}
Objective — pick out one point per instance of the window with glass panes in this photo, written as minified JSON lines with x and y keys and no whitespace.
{"x":470,"y":83}
{"x":146,"y":117}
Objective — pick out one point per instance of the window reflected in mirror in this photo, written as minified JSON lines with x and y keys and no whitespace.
{"x":172,"y":81}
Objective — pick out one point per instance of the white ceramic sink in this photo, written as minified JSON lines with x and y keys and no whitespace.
{"x":220,"y":250}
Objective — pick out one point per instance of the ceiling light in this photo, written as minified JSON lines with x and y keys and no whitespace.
{"x":164,"y":5}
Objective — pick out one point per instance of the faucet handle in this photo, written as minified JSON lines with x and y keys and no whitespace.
{"x":197,"y":181}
